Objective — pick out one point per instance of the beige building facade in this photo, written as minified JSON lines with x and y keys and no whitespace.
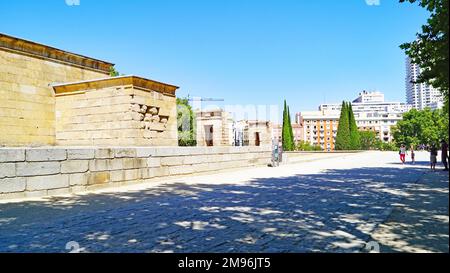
{"x":320,"y":128}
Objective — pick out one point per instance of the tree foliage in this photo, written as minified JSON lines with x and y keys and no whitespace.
{"x":286,"y":133}
{"x":306,"y":146}
{"x":343,"y":133}
{"x":430,"y":49}
{"x":113,"y":72}
{"x":369,"y":140}
{"x":422,"y":127}
{"x":186,"y":123}
{"x":355,"y":141}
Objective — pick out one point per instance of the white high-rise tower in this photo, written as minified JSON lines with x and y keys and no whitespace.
{"x":420,"y":95}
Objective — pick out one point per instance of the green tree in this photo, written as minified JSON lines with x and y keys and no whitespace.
{"x":186,"y":123}
{"x":306,"y":146}
{"x":343,"y":133}
{"x":422,"y":127}
{"x":291,"y":131}
{"x":113,"y":72}
{"x":286,"y":133}
{"x":355,"y":141}
{"x":430,"y":49}
{"x":369,"y":140}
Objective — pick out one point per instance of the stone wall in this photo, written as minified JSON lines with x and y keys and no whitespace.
{"x":37,"y":172}
{"x":114,"y":112}
{"x":221,"y":124}
{"x":263,"y":129}
{"x":27,"y":111}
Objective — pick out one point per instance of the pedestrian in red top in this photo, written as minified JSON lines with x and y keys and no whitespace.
{"x":403,"y":153}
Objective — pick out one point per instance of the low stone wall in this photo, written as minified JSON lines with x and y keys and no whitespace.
{"x":37,"y":172}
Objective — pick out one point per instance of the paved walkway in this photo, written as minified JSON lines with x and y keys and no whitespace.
{"x":420,"y":222}
{"x":330,"y":205}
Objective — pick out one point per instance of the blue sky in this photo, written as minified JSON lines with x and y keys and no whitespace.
{"x":242,"y":51}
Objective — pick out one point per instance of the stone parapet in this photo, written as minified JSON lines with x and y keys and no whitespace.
{"x":37,"y":172}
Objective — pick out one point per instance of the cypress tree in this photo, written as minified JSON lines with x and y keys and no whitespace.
{"x":343,"y":133}
{"x":291,"y":132}
{"x":284,"y":130}
{"x":286,"y":133}
{"x":355,"y":139}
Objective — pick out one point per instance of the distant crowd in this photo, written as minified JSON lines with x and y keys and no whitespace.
{"x":432,"y":149}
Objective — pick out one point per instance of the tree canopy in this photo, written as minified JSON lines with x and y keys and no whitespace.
{"x":343,"y":133}
{"x":286,"y":133}
{"x":430,"y":49}
{"x":355,"y":141}
{"x":186,"y":123}
{"x":422,"y":127}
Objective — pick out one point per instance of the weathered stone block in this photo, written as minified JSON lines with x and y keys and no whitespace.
{"x":35,"y":155}
{"x":132,"y":175}
{"x":178,"y":170}
{"x":161,"y":171}
{"x":134,"y":163}
{"x":115,"y":164}
{"x":37,"y":168}
{"x":172,"y":161}
{"x":37,"y":183}
{"x":80,"y":154}
{"x":99,"y":178}
{"x":9,"y":185}
{"x":104,"y":153}
{"x":202,"y":167}
{"x":78,"y":179}
{"x":97,"y":165}
{"x":153,"y":162}
{"x":7,"y":170}
{"x":117,"y":176}
{"x":145,"y":152}
{"x":74,"y":166}
{"x":12,"y":155}
{"x":125,"y":152}
{"x":195,"y":159}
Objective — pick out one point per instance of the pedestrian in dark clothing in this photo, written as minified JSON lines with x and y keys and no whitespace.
{"x":433,"y":157}
{"x":444,"y":149}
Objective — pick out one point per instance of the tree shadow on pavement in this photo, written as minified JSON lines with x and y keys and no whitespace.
{"x":420,"y":223}
{"x":332,"y":211}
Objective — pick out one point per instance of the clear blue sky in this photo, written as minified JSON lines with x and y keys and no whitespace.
{"x":244,"y":51}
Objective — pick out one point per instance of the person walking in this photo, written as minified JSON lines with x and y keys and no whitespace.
{"x":402,"y":153}
{"x":444,"y":149}
{"x":433,"y":157}
{"x":413,"y":154}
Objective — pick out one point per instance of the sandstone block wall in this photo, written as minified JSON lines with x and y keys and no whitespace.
{"x":264,"y":130}
{"x":117,"y":115}
{"x":221,"y":124}
{"x":36,"y":172}
{"x":27,"y":111}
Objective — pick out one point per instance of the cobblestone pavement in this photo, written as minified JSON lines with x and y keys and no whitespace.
{"x":330,"y":205}
{"x":420,"y":222}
